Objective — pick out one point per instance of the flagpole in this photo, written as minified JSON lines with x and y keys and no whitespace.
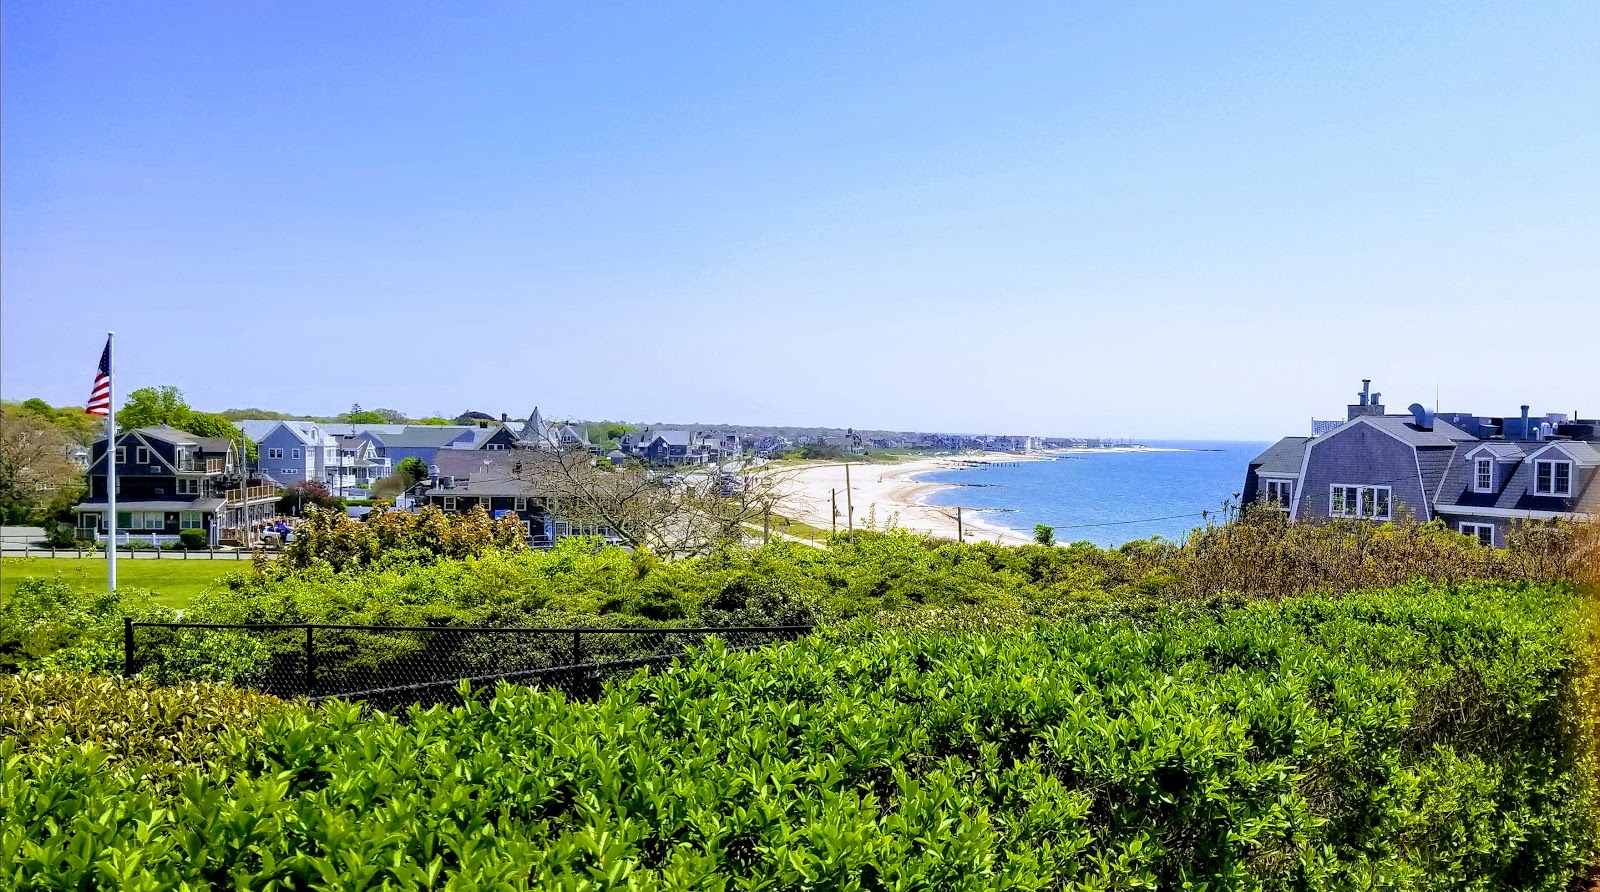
{"x":111,"y":470}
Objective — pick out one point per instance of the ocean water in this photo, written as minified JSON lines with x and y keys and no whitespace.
{"x":1106,"y":498}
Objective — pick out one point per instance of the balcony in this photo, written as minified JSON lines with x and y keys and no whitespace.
{"x":200,"y":466}
{"x":253,"y":493}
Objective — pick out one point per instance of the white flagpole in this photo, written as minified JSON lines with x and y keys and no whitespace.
{"x":111,"y":467}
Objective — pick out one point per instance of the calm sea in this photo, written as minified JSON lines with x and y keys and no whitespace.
{"x":1106,"y":498}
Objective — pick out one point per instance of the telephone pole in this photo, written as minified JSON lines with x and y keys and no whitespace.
{"x":849,"y":504}
{"x":961,"y":536}
{"x":833,"y":498}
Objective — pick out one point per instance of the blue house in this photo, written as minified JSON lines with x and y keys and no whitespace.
{"x":291,"y":452}
{"x":1478,"y":474}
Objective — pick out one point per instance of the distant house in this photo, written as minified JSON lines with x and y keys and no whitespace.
{"x":291,"y":452}
{"x":497,"y":484}
{"x":1380,"y":467}
{"x":666,"y":447}
{"x":169,"y":481}
{"x":394,"y":443}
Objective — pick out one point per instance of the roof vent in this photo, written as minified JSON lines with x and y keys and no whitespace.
{"x":447,"y":482}
{"x":1421,"y":416}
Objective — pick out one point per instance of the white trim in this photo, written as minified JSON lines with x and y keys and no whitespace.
{"x":141,"y":455}
{"x":1361,"y":492}
{"x":1511,"y":512}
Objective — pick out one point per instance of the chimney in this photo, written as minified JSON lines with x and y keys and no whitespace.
{"x":504,"y":418}
{"x":1525,"y":433}
{"x":1365,"y":383}
{"x":1367,"y":402}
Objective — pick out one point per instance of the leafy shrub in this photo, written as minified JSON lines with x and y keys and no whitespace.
{"x":1410,"y":739}
{"x":163,"y":730}
{"x":333,"y":540}
{"x":194,"y":540}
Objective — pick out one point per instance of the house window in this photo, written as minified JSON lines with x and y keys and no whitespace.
{"x":287,"y":472}
{"x":327,"y":455}
{"x":191,"y":520}
{"x":1279,"y":492}
{"x":1366,"y":502}
{"x":122,"y":455}
{"x":520,"y":504}
{"x":294,"y":453}
{"x":1483,"y":532}
{"x":125,"y":520}
{"x":1552,"y":478}
{"x":142,"y":456}
{"x":1484,"y":479}
{"x":449,"y":503}
{"x":188,"y":487}
{"x":274,"y":453}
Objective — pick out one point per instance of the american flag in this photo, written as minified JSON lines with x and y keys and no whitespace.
{"x":100,"y":397}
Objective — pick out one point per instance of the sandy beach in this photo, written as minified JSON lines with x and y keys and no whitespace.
{"x":891,"y":495}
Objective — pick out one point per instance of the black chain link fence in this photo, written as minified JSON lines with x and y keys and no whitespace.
{"x":388,"y":666}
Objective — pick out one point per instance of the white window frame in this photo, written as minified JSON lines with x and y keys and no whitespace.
{"x":141,"y":455}
{"x":274,"y":453}
{"x":1476,"y":530}
{"x":287,"y":472}
{"x":122,"y":455}
{"x":188,"y":486}
{"x":1481,"y":468}
{"x":191,"y":520}
{"x":295,"y":452}
{"x":520,"y":503}
{"x":449,"y":503}
{"x":1356,"y":501}
{"x":1278,"y":493}
{"x":1539,"y":478}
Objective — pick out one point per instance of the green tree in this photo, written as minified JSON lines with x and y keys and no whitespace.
{"x":434,"y":420}
{"x":153,"y":405}
{"x":412,"y":470}
{"x":209,"y":424}
{"x":1044,"y":534}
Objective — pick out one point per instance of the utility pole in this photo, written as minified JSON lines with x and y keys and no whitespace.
{"x":244,"y":489}
{"x":833,"y":498}
{"x":849,"y":504}
{"x":961,"y":536}
{"x":766,"y":526}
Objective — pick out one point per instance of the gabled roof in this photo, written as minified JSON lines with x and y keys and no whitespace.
{"x":1579,"y":451}
{"x":1502,"y":451}
{"x":167,"y":434}
{"x":1405,"y":429}
{"x":672,"y":438}
{"x":1282,"y":458}
{"x":535,"y":429}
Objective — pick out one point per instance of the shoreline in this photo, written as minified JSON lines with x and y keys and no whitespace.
{"x":892,"y":495}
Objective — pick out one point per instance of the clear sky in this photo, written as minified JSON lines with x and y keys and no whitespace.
{"x":1181,"y":220}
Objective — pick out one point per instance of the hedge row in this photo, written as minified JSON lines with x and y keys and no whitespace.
{"x":1411,"y":739}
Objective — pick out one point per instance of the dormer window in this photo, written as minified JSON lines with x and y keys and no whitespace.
{"x":1552,"y":478}
{"x":1483,"y":479}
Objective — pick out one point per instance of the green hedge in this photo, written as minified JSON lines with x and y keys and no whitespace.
{"x":1411,"y":739}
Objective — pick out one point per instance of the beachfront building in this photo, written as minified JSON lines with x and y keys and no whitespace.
{"x":1477,"y":474}
{"x":291,"y":452}
{"x":169,"y":481}
{"x":498,"y":484}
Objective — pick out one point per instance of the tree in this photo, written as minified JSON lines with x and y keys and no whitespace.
{"x":691,"y":512}
{"x":307,"y":493}
{"x":35,"y":466}
{"x":152,"y":405}
{"x":364,"y":418}
{"x":412,"y":470}
{"x":392,"y":416}
{"x":434,"y":420}
{"x":1044,"y":534}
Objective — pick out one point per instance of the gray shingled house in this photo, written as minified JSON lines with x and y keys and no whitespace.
{"x":1376,"y":466}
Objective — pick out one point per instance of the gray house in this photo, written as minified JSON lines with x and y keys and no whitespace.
{"x":1477,"y":474}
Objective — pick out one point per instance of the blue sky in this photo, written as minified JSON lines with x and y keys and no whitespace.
{"x":1143,"y":220}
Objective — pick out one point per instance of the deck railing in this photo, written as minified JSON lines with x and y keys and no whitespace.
{"x":254,"y":493}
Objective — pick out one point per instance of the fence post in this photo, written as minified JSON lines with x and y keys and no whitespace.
{"x":127,"y":647}
{"x":311,"y":657}
{"x":577,"y":648}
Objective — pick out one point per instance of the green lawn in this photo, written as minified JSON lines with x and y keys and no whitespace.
{"x":174,"y":580}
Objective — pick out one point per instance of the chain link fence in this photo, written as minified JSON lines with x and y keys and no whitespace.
{"x":389,"y":666}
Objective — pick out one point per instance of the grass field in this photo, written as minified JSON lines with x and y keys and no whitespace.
{"x":174,"y":581}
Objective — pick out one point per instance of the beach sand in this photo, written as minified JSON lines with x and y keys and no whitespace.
{"x":891,"y":495}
